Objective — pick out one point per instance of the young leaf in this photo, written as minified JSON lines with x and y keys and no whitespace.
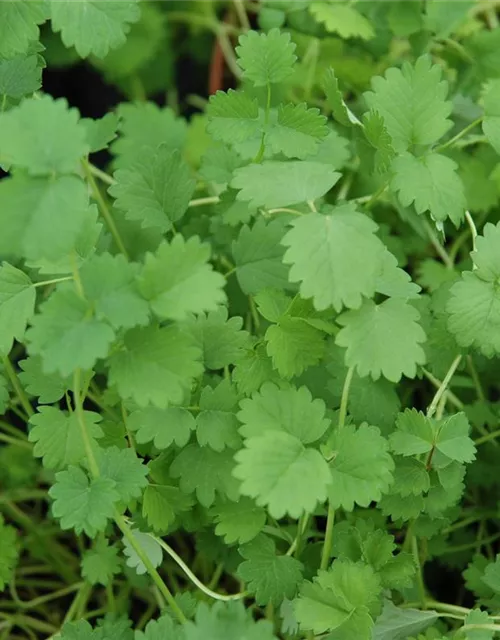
{"x":266,"y":58}
{"x":58,"y":436}
{"x":335,"y":257}
{"x":412,"y":102}
{"x":178,"y":280}
{"x":93,"y":27}
{"x":43,"y":136}
{"x":238,"y":521}
{"x":162,"y":426}
{"x":155,"y":189}
{"x":17,"y":305}
{"x":383,"y":339}
{"x":415,"y":434}
{"x":282,"y":184}
{"x":232,"y":117}
{"x":431,"y":183}
{"x":453,"y":439}
{"x":82,"y":504}
{"x":269,"y":576}
{"x":155,"y":366}
{"x":100,"y":563}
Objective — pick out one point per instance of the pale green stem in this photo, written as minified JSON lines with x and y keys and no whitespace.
{"x":14,"y":380}
{"x":459,"y":135}
{"x":444,"y":385}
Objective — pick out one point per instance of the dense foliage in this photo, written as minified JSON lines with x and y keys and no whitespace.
{"x":250,"y":337}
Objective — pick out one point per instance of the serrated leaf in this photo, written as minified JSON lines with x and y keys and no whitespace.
{"x":266,"y":58}
{"x":377,"y":135}
{"x":297,"y":132}
{"x":258,"y":257}
{"x":233,"y":116}
{"x":491,"y":120}
{"x":20,"y":76}
{"x":148,"y":545}
{"x":430,"y":183}
{"x":294,"y":346}
{"x":82,"y":504}
{"x":162,"y":503}
{"x":238,"y":521}
{"x":206,"y":472}
{"x":216,"y":423}
{"x":279,"y":472}
{"x":367,"y":333}
{"x":58,"y":436}
{"x":66,"y":336}
{"x":398,"y":624}
{"x":100,"y":132}
{"x":100,"y":563}
{"x":162,"y":426}
{"x":412,"y":102}
{"x":161,"y":629}
{"x":415,"y":434}
{"x":155,"y":366}
{"x":92,"y":26}
{"x":178,"y":279}
{"x":226,"y":620}
{"x":335,"y":257}
{"x":19,"y":25}
{"x":342,"y":19}
{"x":48,"y":387}
{"x":335,"y":100}
{"x":281,"y":184}
{"x":361,"y":467}
{"x":17,"y":305}
{"x":452,"y":438}
{"x":155,"y":189}
{"x":43,"y":136}
{"x":270,"y":577}
{"x":125,"y":469}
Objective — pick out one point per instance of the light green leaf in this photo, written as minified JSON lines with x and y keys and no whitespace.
{"x":20,"y":76}
{"x":232,"y":117}
{"x":238,"y":521}
{"x":48,"y":387}
{"x":294,"y":346}
{"x":126,"y":470}
{"x":101,"y":132}
{"x":297,"y":132}
{"x":491,"y":120}
{"x":342,"y":19}
{"x":149,"y":546}
{"x":162,"y":503}
{"x":17,"y":305}
{"x":162,"y":426}
{"x":266,"y":58}
{"x":100,"y":563}
{"x":19,"y":25}
{"x":216,"y":423}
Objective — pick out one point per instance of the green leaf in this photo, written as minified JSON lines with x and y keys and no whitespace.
{"x":65,"y":334}
{"x":9,"y":555}
{"x":269,"y":576}
{"x":206,"y":472}
{"x":253,"y":369}
{"x":216,"y":423}
{"x":126,"y":470}
{"x":162,"y":426}
{"x":383,"y":339}
{"x":48,"y":387}
{"x":161,"y":629}
{"x":474,"y":309}
{"x":155,"y":189}
{"x":232,"y":117}
{"x":221,"y":340}
{"x":30,"y":210}
{"x":491,"y":575}
{"x":279,"y":472}
{"x":453,"y":438}
{"x":340,"y":600}
{"x":395,"y":623}
{"x":335,"y":257}
{"x":238,"y":521}
{"x":491,"y":120}
{"x":100,"y":563}
{"x":109,"y":284}
{"x":91,"y":26}
{"x":294,"y":346}
{"x":289,"y":410}
{"x":162,"y":503}
{"x":148,"y":545}
{"x":145,"y":126}
{"x":377,"y":135}
{"x":101,"y":132}
{"x":410,"y":475}
{"x":415,"y":434}
{"x":480,"y":618}
{"x":226,"y":620}
{"x":258,"y":257}
{"x":341,"y":112}
{"x":17,"y":305}
{"x":58,"y":436}
{"x":430,"y":183}
{"x":266,"y":58}
{"x":342,"y":19}
{"x":19,"y":25}
{"x":297,"y":132}
{"x":274,"y":184}
{"x":361,"y":467}
{"x":412,"y":102}
{"x":20,"y":76}
{"x":43,"y":136}
{"x":178,"y":279}
{"x":155,"y":366}
{"x":485,"y":256}
{"x":82,"y":504}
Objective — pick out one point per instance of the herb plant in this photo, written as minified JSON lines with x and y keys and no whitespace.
{"x":250,"y":359}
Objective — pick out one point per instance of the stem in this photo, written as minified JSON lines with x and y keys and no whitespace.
{"x":105,"y":177}
{"x":475,"y":378}
{"x":157,"y":579}
{"x":459,"y":135}
{"x":420,"y":578}
{"x":93,"y":466}
{"x":199,"y":202}
{"x":242,"y":14}
{"x":227,"y":50}
{"x":446,"y":381}
{"x":345,"y":397}
{"x":103,"y":208}
{"x":16,"y":442}
{"x":328,"y":541}
{"x":193,"y":578}
{"x":487,"y":437}
{"x":452,"y":398}
{"x":473,"y":230}
{"x":43,"y":283}
{"x":440,"y":250}
{"x":260,"y":153}
{"x":23,"y":398}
